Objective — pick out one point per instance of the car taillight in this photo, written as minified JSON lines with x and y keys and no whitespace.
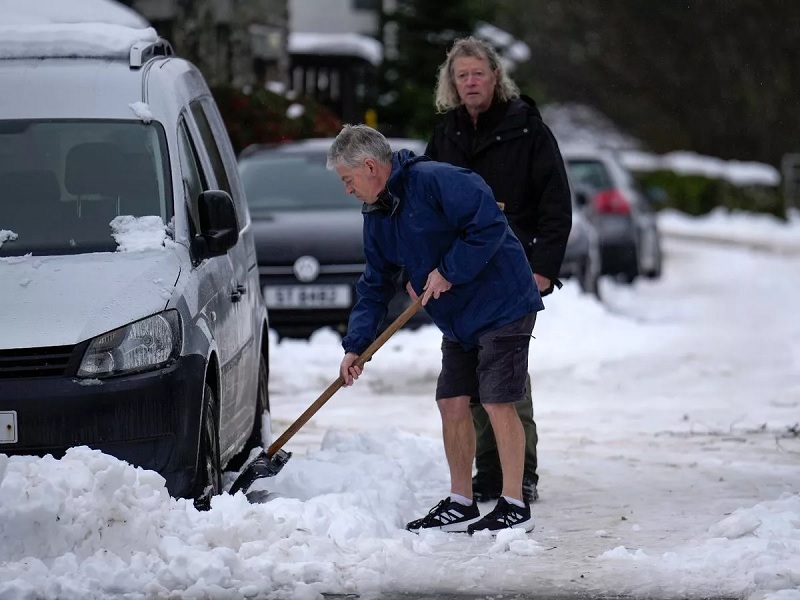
{"x":611,"y":201}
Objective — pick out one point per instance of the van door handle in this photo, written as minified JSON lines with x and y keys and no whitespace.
{"x":238,"y":292}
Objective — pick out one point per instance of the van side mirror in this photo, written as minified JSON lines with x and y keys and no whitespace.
{"x":219,"y":230}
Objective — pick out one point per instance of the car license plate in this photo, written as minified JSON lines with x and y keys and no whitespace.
{"x":307,"y":296}
{"x":8,"y":427}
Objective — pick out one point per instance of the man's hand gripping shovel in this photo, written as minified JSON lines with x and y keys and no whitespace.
{"x":270,"y":462}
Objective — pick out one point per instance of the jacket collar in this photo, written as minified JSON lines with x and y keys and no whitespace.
{"x":389,"y":198}
{"x":500,"y":116}
{"x":487,"y":121}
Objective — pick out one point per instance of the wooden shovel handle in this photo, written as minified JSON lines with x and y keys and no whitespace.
{"x":334,"y":387}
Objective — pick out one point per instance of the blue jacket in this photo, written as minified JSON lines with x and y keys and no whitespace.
{"x":444,"y":217}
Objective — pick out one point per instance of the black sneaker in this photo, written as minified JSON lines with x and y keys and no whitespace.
{"x":529,"y":492}
{"x":504,"y":516}
{"x":447,"y":516}
{"x":485,"y":489}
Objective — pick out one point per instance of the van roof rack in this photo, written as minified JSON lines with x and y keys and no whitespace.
{"x":141,"y":52}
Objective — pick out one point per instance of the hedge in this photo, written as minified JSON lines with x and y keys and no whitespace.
{"x":261,"y":117}
{"x":698,"y":195}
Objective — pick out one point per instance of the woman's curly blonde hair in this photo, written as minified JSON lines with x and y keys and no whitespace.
{"x":446,"y":95}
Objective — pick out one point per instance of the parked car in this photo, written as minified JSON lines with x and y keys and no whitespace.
{"x":582,"y":258}
{"x":152,"y":351}
{"x":630,"y":242}
{"x":308,"y":236}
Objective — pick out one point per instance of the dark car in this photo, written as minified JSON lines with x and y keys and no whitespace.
{"x":611,"y":200}
{"x":308,"y":235}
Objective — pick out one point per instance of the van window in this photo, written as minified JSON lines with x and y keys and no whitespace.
{"x":194,"y":181}
{"x":62,"y":182}
{"x":223,"y":159}
{"x":211,"y":145}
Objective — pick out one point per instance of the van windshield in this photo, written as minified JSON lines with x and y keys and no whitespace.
{"x":63,"y":182}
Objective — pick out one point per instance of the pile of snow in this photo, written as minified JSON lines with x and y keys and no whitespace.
{"x":137,"y":234}
{"x":761,"y":231}
{"x":581,"y":125}
{"x":7,"y":236}
{"x":690,"y":163}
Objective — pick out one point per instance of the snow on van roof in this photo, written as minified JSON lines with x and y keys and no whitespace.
{"x":67,"y":40}
{"x":37,"y":12}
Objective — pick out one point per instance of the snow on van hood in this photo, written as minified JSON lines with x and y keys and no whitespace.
{"x":63,"y":300}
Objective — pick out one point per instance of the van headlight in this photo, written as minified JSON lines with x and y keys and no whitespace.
{"x":140,"y":346}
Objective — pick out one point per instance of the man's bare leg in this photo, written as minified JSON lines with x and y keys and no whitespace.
{"x":510,"y":437}
{"x":458,"y":433}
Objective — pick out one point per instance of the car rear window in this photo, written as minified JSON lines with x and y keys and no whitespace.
{"x":293,"y":182}
{"x":592,"y":173}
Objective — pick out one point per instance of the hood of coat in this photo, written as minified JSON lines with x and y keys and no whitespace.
{"x":518,"y":115}
{"x":401,"y":160}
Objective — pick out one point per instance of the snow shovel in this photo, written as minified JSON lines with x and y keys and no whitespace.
{"x":269,"y":463}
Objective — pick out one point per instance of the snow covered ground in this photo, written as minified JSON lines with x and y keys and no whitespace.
{"x":669,"y":418}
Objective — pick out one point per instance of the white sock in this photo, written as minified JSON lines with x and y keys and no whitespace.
{"x":460,"y":499}
{"x":514,"y":501}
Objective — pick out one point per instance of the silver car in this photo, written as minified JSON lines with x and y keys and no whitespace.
{"x":582,"y":257}
{"x":623,"y":216}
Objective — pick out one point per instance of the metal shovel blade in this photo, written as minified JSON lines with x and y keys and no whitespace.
{"x":261,"y":466}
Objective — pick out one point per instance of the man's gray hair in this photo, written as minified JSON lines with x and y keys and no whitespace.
{"x":446,"y":96}
{"x":356,"y":143}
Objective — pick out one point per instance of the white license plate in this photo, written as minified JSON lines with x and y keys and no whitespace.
{"x":8,"y":427}
{"x":307,"y":296}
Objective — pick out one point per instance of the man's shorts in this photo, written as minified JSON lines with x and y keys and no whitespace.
{"x":495,"y":370}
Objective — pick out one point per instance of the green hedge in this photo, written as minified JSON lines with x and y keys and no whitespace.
{"x":260,"y":117}
{"x":698,"y":195}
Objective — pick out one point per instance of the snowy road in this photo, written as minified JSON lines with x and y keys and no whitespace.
{"x":669,"y":464}
{"x":659,"y":415}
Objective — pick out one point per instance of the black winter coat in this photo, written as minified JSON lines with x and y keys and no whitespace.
{"x":517,"y":155}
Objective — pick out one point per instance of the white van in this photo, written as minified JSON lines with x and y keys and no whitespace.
{"x":131,"y":318}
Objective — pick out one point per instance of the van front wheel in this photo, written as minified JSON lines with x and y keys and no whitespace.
{"x":208,"y":478}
